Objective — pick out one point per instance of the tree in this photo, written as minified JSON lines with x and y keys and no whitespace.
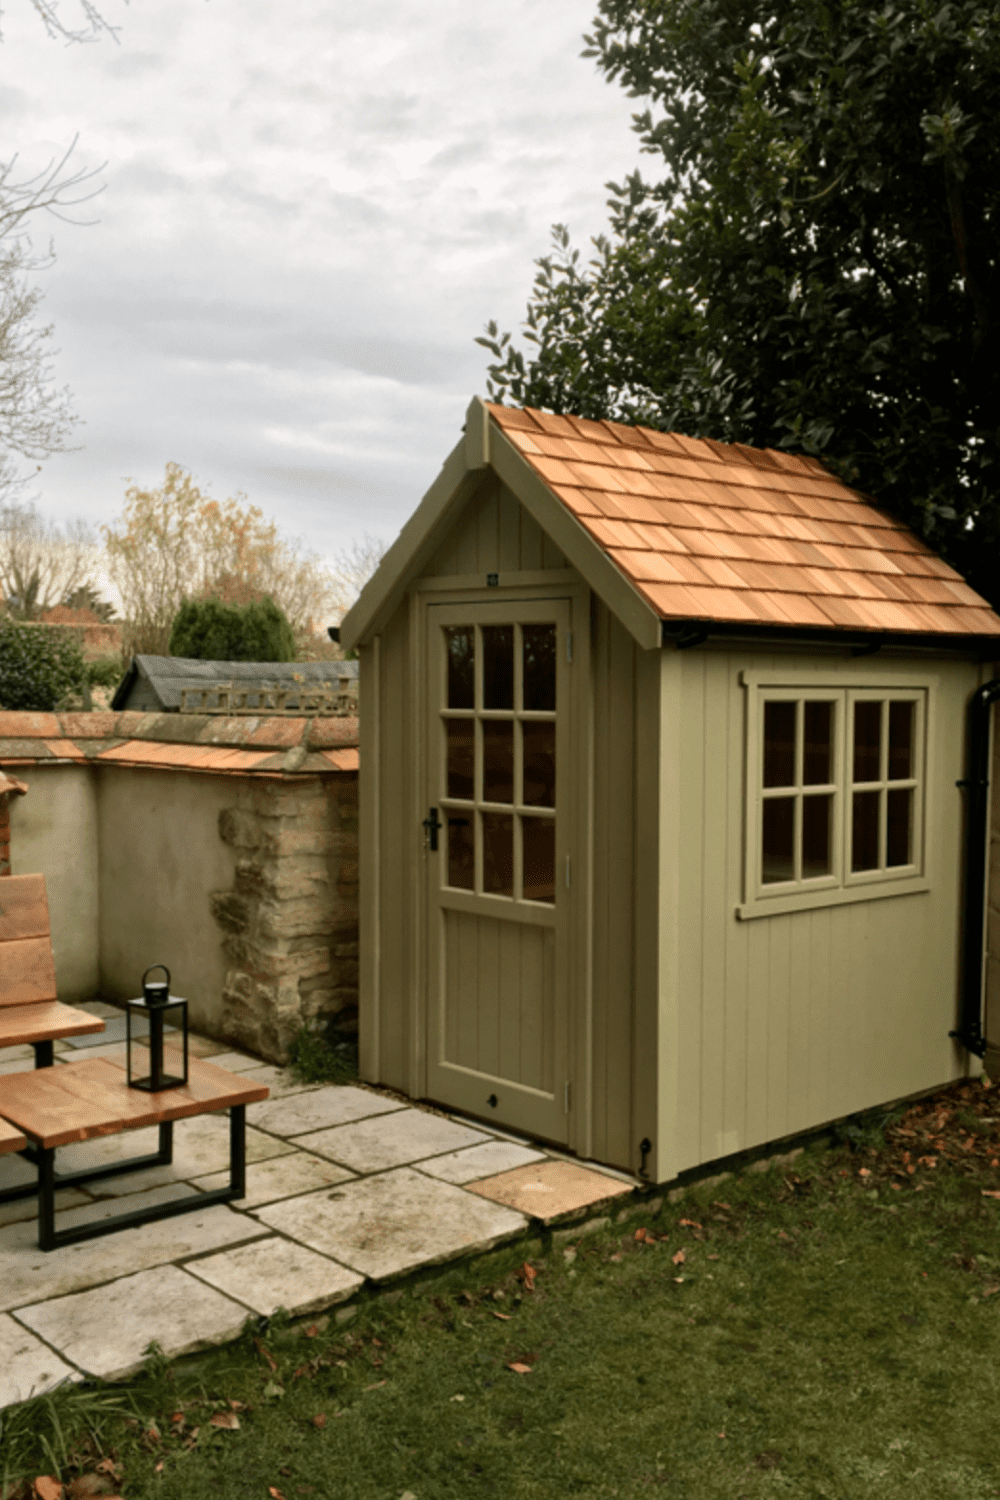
{"x":816,"y":267}
{"x":213,"y":631}
{"x":176,"y":543}
{"x":42,"y":565}
{"x":352,"y":568}
{"x":40,"y":667}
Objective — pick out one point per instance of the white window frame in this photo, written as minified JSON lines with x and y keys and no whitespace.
{"x":841,"y":885}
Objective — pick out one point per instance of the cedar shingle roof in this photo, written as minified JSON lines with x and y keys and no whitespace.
{"x":721,"y":532}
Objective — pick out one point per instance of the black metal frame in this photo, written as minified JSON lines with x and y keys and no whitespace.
{"x":49,"y":1182}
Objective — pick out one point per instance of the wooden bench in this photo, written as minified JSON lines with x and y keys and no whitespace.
{"x":10,"y":1139}
{"x":29,"y":1010}
{"x":79,"y":1101}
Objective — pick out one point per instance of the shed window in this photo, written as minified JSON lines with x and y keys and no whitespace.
{"x":836,"y":792}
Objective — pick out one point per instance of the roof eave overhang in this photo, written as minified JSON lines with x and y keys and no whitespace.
{"x":688,"y":634}
{"x":484,"y":446}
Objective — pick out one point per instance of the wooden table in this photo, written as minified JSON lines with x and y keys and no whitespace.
{"x":80,"y":1101}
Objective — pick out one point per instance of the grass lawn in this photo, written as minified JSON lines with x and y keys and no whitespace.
{"x":828,"y":1329}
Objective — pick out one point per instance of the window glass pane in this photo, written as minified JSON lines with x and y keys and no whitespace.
{"x":867,"y":739}
{"x":498,"y":854}
{"x":460,"y":642}
{"x":539,"y":846}
{"x":539,"y":660}
{"x":779,"y":744}
{"x":817,"y":750}
{"x":864,"y":829}
{"x":778,"y":843}
{"x":461,"y":752}
{"x":900,"y":741}
{"x":817,"y":813}
{"x":498,"y":666}
{"x":899,"y":827}
{"x":461,"y":852}
{"x":498,"y":760}
{"x":539,"y":764}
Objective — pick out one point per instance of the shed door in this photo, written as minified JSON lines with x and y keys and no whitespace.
{"x":498,"y":885}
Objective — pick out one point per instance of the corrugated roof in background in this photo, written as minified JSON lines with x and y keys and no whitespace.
{"x":721,"y":532}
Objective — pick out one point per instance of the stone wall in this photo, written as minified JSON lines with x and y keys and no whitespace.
{"x":290,"y":918}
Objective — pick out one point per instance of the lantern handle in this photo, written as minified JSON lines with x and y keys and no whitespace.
{"x":150,"y":970}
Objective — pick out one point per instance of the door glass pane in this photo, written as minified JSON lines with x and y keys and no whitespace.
{"x":867,"y":739}
{"x":498,"y":666}
{"x":539,"y":661}
{"x":779,"y":835}
{"x":864,"y":829}
{"x":461,"y":852}
{"x":539,"y":764}
{"x":899,"y":826}
{"x":498,"y":854}
{"x":900,"y":741}
{"x":539,"y":847}
{"x":817,"y":749}
{"x":460,"y":642}
{"x":498,"y":760}
{"x":816,"y":815}
{"x":461,"y":752}
{"x":779,"y":745}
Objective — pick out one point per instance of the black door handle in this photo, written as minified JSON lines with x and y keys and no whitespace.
{"x":432,"y":825}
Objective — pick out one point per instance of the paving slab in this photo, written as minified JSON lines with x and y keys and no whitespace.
{"x":201,"y":1145}
{"x":235,"y":1062}
{"x":390,"y":1140}
{"x":387,"y":1225}
{"x":28,"y":1274}
{"x":275,"y":1273}
{"x":27,"y":1367}
{"x":167,"y":1305}
{"x":334,"y":1105}
{"x":281,"y":1081}
{"x":281,"y":1177}
{"x":549,"y":1189}
{"x":485,"y":1160}
{"x":22,"y":1052}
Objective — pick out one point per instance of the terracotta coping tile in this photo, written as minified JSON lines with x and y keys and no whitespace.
{"x":28,"y":726}
{"x":65,"y":749}
{"x":328,"y":732}
{"x":344,"y":760}
{"x":90,"y":726}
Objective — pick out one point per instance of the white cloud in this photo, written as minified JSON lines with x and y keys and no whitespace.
{"x":309,"y":215}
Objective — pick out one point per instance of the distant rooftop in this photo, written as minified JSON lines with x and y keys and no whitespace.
{"x":155,"y":684}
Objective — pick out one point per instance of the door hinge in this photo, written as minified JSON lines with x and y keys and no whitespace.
{"x":569,"y":645}
{"x":566,"y":1099}
{"x":567,"y":872}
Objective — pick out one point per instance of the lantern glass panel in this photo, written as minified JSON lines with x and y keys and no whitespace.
{"x":157,"y":1044}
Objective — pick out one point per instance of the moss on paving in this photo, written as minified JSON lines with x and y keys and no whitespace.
{"x":828,"y":1330}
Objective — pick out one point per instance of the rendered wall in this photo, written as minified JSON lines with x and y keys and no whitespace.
{"x":54,"y":830}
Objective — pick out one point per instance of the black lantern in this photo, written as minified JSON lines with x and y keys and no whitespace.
{"x":146,"y":1021}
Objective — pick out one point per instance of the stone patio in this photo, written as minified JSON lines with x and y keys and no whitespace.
{"x":347,"y":1189}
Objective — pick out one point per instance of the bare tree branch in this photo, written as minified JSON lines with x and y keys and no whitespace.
{"x":94,"y":23}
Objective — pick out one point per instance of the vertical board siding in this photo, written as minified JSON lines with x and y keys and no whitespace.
{"x":494,"y":534}
{"x":614,"y":676}
{"x":398,"y":851}
{"x":792,"y":1020}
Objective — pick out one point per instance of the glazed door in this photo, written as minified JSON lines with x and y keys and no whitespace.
{"x":498,"y":860}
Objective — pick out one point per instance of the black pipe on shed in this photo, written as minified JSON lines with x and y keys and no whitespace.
{"x":976,"y":784}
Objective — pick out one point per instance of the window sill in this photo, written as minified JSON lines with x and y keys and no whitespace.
{"x":778,"y":906}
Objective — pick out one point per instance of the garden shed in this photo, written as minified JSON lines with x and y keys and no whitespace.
{"x":661,"y":847}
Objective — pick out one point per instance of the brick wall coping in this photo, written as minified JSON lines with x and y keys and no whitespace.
{"x":238,"y":746}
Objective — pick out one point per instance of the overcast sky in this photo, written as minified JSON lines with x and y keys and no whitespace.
{"x":310,"y":211}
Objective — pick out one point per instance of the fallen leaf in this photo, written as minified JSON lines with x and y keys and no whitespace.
{"x":158,"y":1469}
{"x":692,"y":1223}
{"x":782,"y":1235}
{"x":863,"y":1172}
{"x":678,"y":1278}
{"x":678,"y":1257}
{"x":274,"y":1492}
{"x":990,"y":1291}
{"x":312,"y":1331}
{"x":712,"y":1257}
{"x":376,"y":1386}
{"x":227,"y":1419}
{"x":48,"y":1488}
{"x":990,"y":1193}
{"x":616,"y":1257}
{"x":319,"y":1420}
{"x":519,"y":1368}
{"x":266,"y":1354}
{"x":526,"y":1275}
{"x":177,"y":1419}
{"x":644,"y":1237}
{"x":504,"y":1317}
{"x":456,"y":1398}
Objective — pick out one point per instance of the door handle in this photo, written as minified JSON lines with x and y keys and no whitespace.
{"x":432,"y":825}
